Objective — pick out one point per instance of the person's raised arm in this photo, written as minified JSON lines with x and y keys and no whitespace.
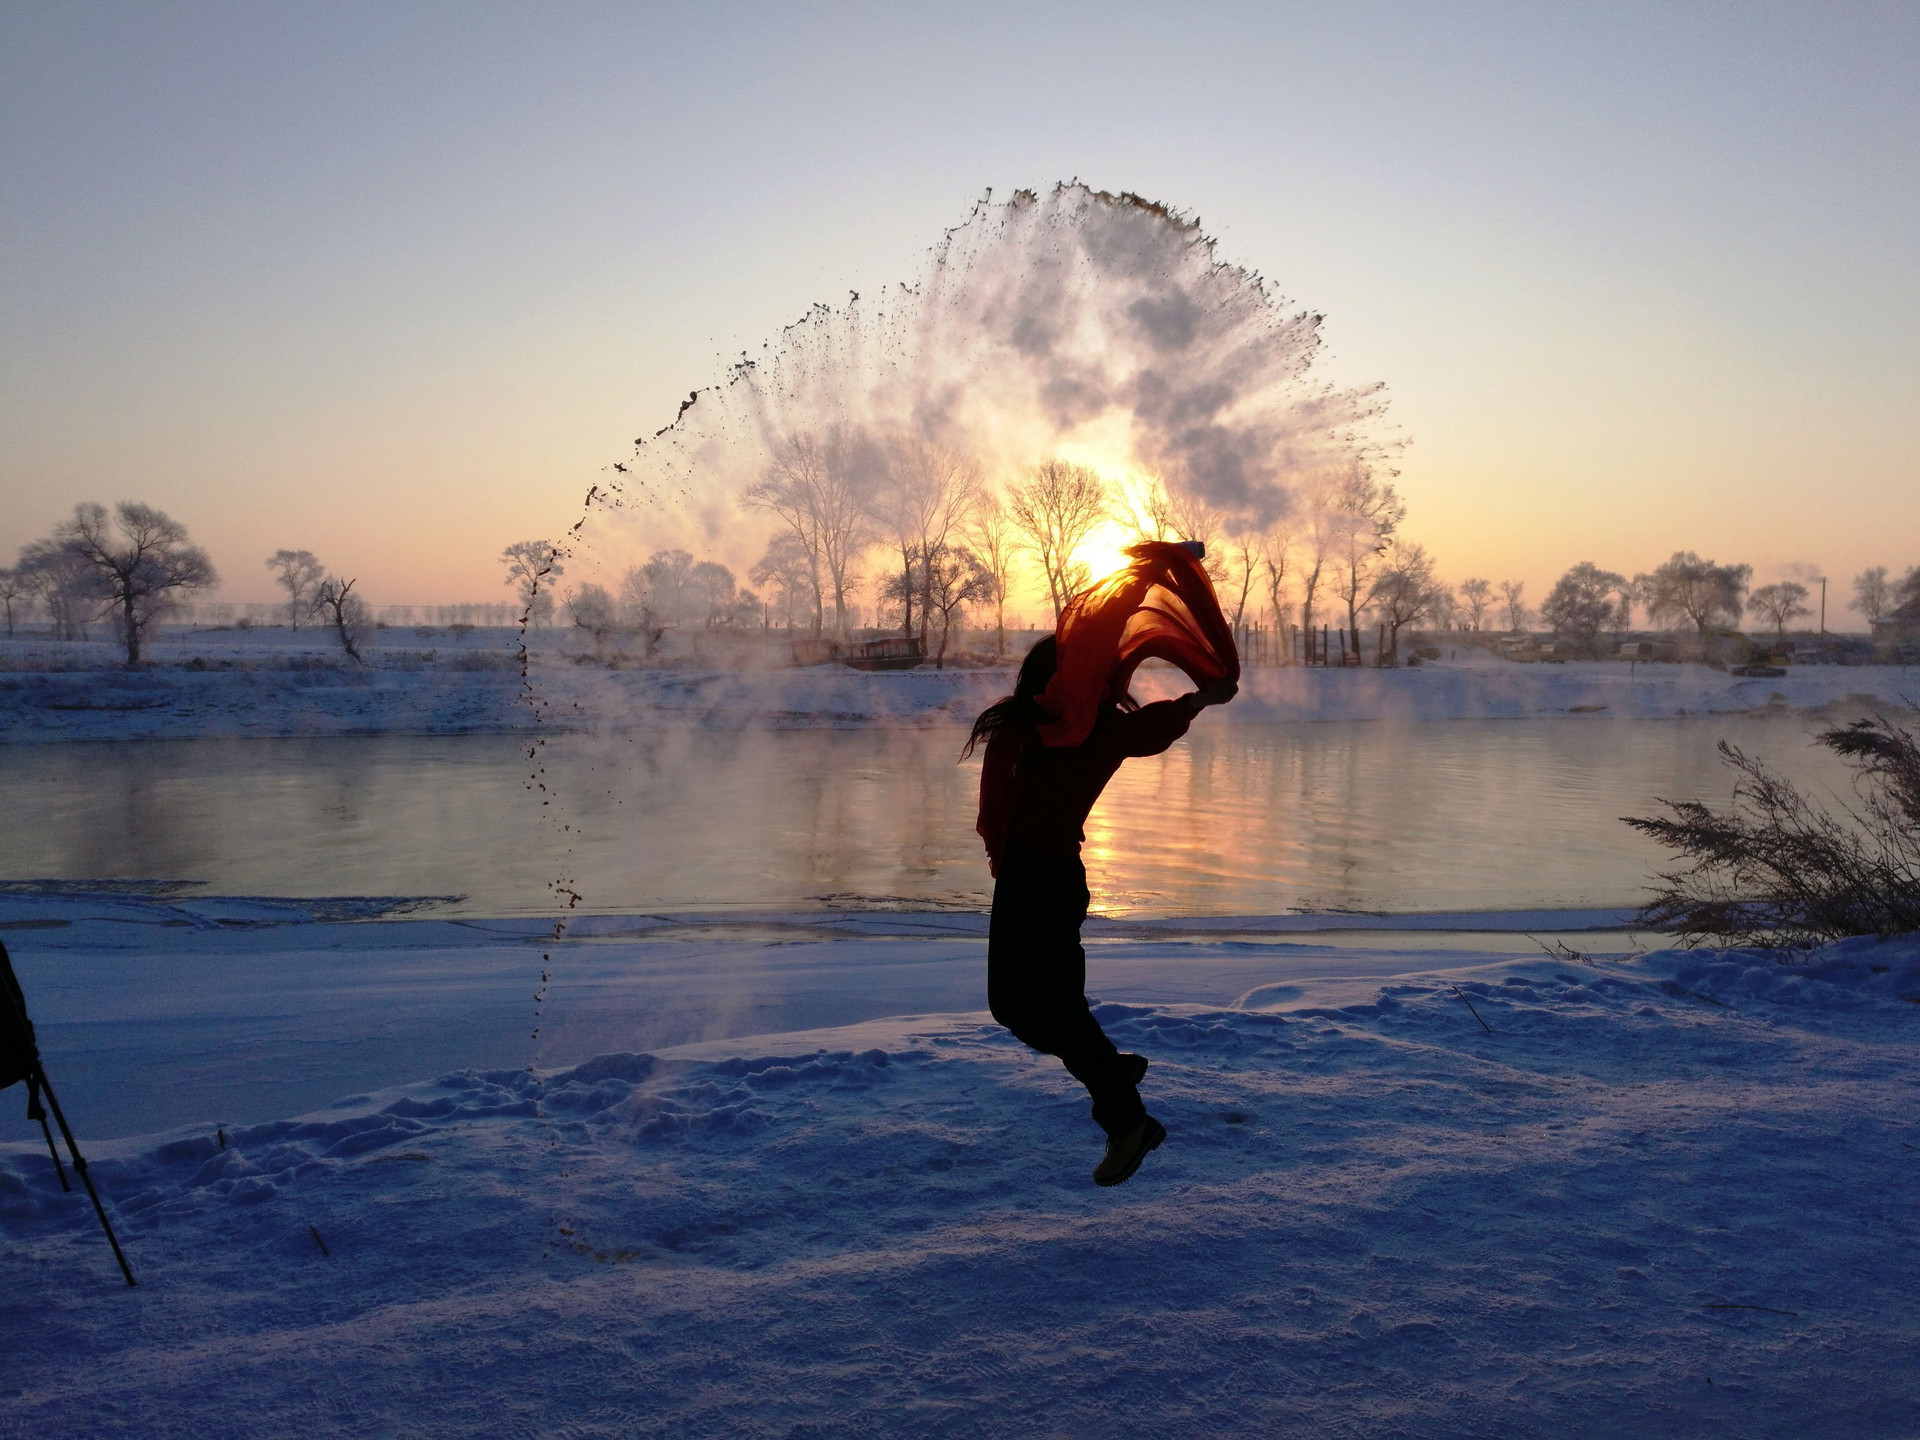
{"x":1218,"y":693}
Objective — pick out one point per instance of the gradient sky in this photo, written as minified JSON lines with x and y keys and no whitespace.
{"x":393,"y":281}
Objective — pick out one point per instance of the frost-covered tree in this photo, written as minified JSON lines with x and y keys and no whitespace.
{"x":1779,"y":603}
{"x":64,"y":585}
{"x":532,"y":568}
{"x":711,"y":592}
{"x":297,"y":572}
{"x":1581,"y":604}
{"x":138,"y":567}
{"x":1316,"y":530}
{"x":1697,"y":591}
{"x":783,"y":572}
{"x":1366,"y":513}
{"x":920,"y":504}
{"x":593,"y":610}
{"x":821,"y":487}
{"x":1872,"y":593}
{"x":994,"y":538}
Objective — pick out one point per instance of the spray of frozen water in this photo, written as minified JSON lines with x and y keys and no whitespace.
{"x":1102,"y":328}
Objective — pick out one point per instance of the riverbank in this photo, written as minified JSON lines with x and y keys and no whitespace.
{"x":1413,"y":1191}
{"x":481,"y":691}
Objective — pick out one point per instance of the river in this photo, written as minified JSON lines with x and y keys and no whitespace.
{"x":1238,"y":819}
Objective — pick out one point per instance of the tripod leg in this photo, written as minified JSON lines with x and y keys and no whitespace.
{"x":37,"y":1111}
{"x":80,"y":1168}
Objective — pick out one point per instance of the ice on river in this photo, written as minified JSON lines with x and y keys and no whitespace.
{"x":1668,"y":1194}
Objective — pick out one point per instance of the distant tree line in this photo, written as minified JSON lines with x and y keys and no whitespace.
{"x":933,"y":542}
{"x":1688,"y":593}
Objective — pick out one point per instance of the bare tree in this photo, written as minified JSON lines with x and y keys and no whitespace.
{"x":140,"y":573}
{"x":1402,"y":593}
{"x":1242,"y":554}
{"x":1057,"y":508}
{"x":1366,"y":511}
{"x":1581,"y":604}
{"x":1163,"y":513}
{"x":1513,"y":595}
{"x":12,"y":588}
{"x":297,"y":572}
{"x":352,"y":622}
{"x":994,"y":538}
{"x":1315,"y":534}
{"x":532,"y":567}
{"x":822,"y":488}
{"x":955,"y":578}
{"x":1476,"y":598}
{"x":1779,"y":603}
{"x":1699,"y":591}
{"x":1277,"y":553}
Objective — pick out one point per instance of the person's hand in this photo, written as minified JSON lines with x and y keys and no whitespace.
{"x":1218,"y":693}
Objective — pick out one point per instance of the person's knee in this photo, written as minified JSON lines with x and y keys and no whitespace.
{"x":1017,"y":1014}
{"x":1028,"y":1017}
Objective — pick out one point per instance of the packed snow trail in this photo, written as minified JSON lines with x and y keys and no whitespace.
{"x":1668,"y":1195}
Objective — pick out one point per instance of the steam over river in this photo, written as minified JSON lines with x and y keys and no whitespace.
{"x":1239,"y":819}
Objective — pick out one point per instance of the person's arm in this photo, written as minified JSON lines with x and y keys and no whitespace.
{"x":1218,"y":693}
{"x":1151,"y":728}
{"x":996,"y":797}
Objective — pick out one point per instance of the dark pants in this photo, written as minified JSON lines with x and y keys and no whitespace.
{"x":1037,"y":979}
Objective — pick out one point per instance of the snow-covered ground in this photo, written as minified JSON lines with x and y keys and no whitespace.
{"x":271,"y":683}
{"x":1667,"y":1194}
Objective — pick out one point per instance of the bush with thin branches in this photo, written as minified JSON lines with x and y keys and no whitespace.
{"x":1778,"y":869}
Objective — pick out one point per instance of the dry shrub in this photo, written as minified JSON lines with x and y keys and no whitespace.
{"x":1778,"y":869}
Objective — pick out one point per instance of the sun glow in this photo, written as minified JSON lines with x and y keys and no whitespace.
{"x":1104,"y":551}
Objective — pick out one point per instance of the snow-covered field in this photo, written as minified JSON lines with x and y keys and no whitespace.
{"x":271,"y":683}
{"x":1669,"y":1194}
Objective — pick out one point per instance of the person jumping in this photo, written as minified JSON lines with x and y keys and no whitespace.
{"x":1052,"y":746}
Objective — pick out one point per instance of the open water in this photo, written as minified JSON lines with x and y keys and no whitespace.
{"x":1238,"y":819}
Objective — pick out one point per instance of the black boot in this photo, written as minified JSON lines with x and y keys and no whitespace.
{"x":1125,"y":1152}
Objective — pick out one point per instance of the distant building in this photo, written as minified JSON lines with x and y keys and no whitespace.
{"x":1896,"y":637}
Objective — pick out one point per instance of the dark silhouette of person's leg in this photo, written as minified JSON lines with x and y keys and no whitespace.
{"x":1037,"y":978}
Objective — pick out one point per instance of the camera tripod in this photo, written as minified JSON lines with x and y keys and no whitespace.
{"x":20,"y":1060}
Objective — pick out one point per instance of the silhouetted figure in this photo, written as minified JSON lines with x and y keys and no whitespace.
{"x":1034,"y":801}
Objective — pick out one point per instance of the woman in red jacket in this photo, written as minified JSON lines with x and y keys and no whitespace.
{"x":1034,"y":801}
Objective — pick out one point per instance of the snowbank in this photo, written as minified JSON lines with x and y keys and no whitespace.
{"x":482,"y":694}
{"x":1667,"y":1195}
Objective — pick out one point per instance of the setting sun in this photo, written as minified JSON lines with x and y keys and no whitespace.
{"x":1104,"y":551}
